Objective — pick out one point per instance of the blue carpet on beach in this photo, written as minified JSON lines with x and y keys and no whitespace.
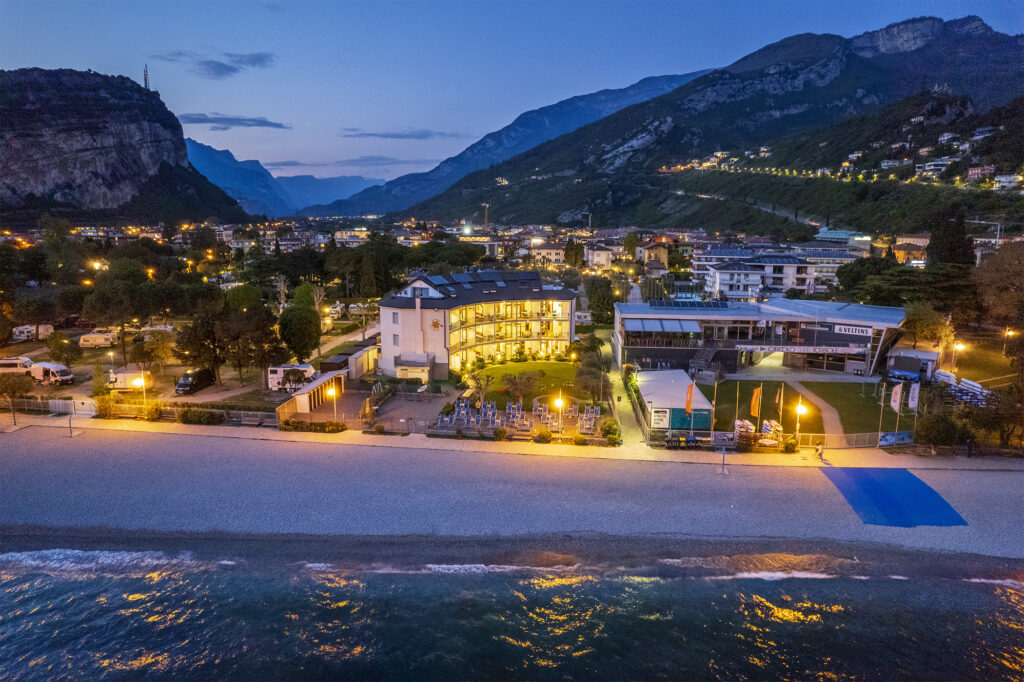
{"x":892,"y":497}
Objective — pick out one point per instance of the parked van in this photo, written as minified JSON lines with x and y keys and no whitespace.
{"x":31,"y":332}
{"x":42,"y":372}
{"x":275,"y":376}
{"x":194,"y":380}
{"x":100,"y":337}
{"x":129,"y":380}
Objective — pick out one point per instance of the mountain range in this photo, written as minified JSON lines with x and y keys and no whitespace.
{"x":609,"y":167}
{"x":259,"y":192}
{"x":526,"y":131}
{"x":94,"y":147}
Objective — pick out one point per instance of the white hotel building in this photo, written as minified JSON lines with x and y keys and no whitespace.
{"x":440,"y":323}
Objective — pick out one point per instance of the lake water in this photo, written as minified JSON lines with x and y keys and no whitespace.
{"x":160,"y":614}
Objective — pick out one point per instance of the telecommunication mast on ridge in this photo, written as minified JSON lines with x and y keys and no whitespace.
{"x":145,"y":76}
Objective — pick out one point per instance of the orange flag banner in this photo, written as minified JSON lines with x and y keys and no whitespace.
{"x":755,"y":402}
{"x":689,"y":398}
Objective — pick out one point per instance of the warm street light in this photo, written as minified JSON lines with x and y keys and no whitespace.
{"x":138,"y":382}
{"x":1008,"y":334}
{"x":110,"y":354}
{"x":801,"y":409}
{"x":558,"y":404}
{"x":334,"y":396}
{"x":957,"y":347}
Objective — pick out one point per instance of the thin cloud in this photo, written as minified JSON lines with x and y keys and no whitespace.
{"x":364,"y":161}
{"x":218,"y":121}
{"x":228,"y":64}
{"x":380,"y":161}
{"x":408,"y":134}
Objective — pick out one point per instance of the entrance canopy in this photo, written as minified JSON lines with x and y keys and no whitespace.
{"x":633,"y":324}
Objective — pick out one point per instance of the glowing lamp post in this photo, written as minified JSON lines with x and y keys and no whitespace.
{"x":110,"y":354}
{"x":1007,"y":335}
{"x":801,"y":409}
{"x":140,"y":382}
{"x":334,"y":397}
{"x":559,"y":403}
{"x":956,"y":348}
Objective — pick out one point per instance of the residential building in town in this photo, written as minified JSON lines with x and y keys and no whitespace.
{"x":548,"y":252}
{"x":907,"y":252}
{"x":653,"y":250}
{"x":439,"y":323}
{"x":598,"y":256}
{"x":732,"y":335}
{"x":749,"y":279}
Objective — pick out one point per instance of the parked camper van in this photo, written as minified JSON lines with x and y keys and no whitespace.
{"x":42,"y":372}
{"x":126,"y":380}
{"x":194,"y":380}
{"x":99,"y":338}
{"x":275,"y":376}
{"x":31,"y":332}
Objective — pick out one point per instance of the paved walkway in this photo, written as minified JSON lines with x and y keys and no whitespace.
{"x":860,"y":457}
{"x":829,"y":415}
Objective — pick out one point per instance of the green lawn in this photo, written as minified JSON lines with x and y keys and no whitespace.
{"x":557,"y":375}
{"x":982,"y":359}
{"x":725,"y":412}
{"x":860,"y":414}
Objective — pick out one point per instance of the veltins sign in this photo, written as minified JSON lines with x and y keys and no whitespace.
{"x":846,"y":329}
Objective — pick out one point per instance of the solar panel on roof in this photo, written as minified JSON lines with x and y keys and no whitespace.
{"x":437,"y":279}
{"x":499,"y":283}
{"x":462,"y":277}
{"x":466,"y":285}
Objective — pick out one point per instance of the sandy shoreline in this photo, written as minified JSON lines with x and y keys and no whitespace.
{"x":583,"y":552}
{"x":172,"y":483}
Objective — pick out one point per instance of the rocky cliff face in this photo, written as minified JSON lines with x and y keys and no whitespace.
{"x":81,"y":139}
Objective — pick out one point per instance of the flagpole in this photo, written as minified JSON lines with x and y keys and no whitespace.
{"x":881,"y":406}
{"x":736,"y":417}
{"x":782,"y":401}
{"x":899,"y":409}
{"x":714,"y":404}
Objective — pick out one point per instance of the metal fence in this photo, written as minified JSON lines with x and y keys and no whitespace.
{"x":135,"y":410}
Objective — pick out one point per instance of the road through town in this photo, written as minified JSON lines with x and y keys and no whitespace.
{"x":187,"y":483}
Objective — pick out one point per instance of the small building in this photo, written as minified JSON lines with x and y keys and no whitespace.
{"x":907,"y":363}
{"x":663,"y":403}
{"x":907,"y":251}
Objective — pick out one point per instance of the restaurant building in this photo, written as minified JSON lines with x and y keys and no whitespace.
{"x":731,"y":335}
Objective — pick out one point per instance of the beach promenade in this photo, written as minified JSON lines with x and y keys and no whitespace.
{"x":182,"y":482}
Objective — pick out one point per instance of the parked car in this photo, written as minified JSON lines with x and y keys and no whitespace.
{"x":194,"y":380}
{"x":42,"y":372}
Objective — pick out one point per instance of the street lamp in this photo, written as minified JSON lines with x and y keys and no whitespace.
{"x":110,"y":354}
{"x":559,"y":403}
{"x":1008,"y":334}
{"x":956,"y":347}
{"x":800,"y":410}
{"x":334,"y":396}
{"x":138,"y":382}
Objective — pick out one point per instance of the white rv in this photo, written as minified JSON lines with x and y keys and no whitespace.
{"x":276,"y":374}
{"x":32,"y":332}
{"x":42,"y":372}
{"x":100,"y":337}
{"x":129,"y":380}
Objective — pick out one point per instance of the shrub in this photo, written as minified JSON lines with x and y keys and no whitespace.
{"x":579,"y":439}
{"x":543,"y":435}
{"x":193,"y":415}
{"x":613,"y":440}
{"x":312,"y":427}
{"x":789,"y":445}
{"x":937,"y":429}
{"x":609,"y":426}
{"x":104,"y":407}
{"x":448,"y":408}
{"x":378,"y":429}
{"x":500,"y":433}
{"x":153,"y":410}
{"x":456,"y":380}
{"x":99,"y":381}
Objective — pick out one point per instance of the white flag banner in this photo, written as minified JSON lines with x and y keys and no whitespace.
{"x":896,"y":401}
{"x":912,"y":397}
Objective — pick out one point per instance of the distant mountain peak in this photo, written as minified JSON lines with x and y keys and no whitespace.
{"x":913,"y":34}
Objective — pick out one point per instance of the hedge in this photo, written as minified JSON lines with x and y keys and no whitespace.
{"x":313,"y":427}
{"x":194,"y":415}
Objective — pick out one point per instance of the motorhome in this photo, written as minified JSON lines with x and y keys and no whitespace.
{"x":42,"y":372}
{"x":129,"y":380}
{"x":276,"y":377}
{"x":100,"y":337}
{"x":31,"y":332}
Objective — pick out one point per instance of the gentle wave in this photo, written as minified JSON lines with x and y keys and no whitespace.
{"x":95,"y":560}
{"x":493,"y":568}
{"x":773,"y":575}
{"x":1012,"y":584}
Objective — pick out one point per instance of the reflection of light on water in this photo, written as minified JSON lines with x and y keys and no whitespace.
{"x":764,"y":623}
{"x":554,"y":621}
{"x":1011,"y":617}
{"x":152,"y":662}
{"x":335,"y":624}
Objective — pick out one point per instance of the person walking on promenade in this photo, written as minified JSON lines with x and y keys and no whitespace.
{"x":820,"y":452}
